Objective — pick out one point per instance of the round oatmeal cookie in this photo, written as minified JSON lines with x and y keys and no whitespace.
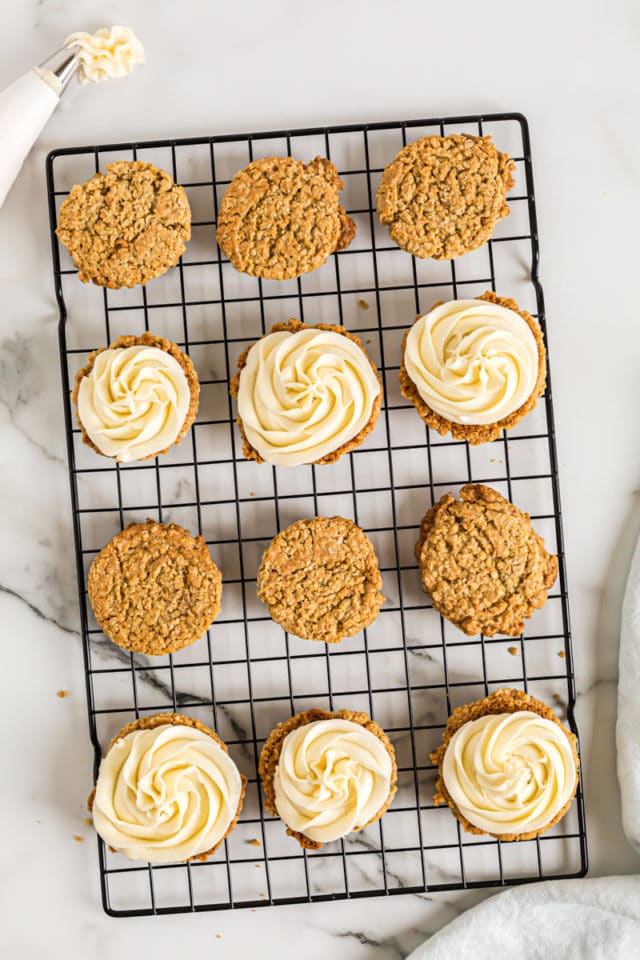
{"x":133,"y":409}
{"x":125,"y":226}
{"x":280,"y":217}
{"x":270,"y":757}
{"x":320,"y":579}
{"x":476,"y":433}
{"x":442,"y":196}
{"x":502,"y":702}
{"x":482,"y":564}
{"x":154,"y":589}
{"x":183,"y":832}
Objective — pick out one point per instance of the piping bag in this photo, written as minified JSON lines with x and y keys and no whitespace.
{"x":27,"y":104}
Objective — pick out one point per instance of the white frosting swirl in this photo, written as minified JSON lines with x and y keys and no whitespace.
{"x":509,"y":772}
{"x":472,"y":361}
{"x":134,"y":402}
{"x":165,"y":794}
{"x":108,"y":53}
{"x":333,"y":776}
{"x":303,"y":394}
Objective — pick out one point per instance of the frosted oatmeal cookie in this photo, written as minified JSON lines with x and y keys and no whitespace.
{"x":167,"y":790}
{"x":506,"y":766}
{"x":305,"y":764}
{"x":125,"y":226}
{"x":442,"y":196}
{"x":154,"y":589}
{"x":473,"y":368}
{"x":484,"y":567}
{"x":136,"y":398}
{"x":280,"y":217}
{"x":305,"y":395}
{"x":320,"y":579}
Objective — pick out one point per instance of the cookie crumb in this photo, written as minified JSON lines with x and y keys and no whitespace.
{"x":62,"y":694}
{"x":363,"y":304}
{"x":88,"y":821}
{"x":78,"y":838}
{"x":255,"y":842}
{"x":252,"y":493}
{"x":513,"y":651}
{"x":556,"y":696}
{"x":258,"y":866}
{"x":218,"y":936}
{"x":561,"y":654}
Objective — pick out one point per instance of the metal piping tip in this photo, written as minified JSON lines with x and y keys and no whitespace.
{"x":58,"y":69}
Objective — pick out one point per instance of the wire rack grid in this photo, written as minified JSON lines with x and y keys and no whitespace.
{"x":410,"y":668}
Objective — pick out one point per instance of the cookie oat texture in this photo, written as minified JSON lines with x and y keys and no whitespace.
{"x":320,"y":579}
{"x":125,"y":226}
{"x":176,"y":720}
{"x":270,"y":756}
{"x":280,"y":217}
{"x":146,"y":340}
{"x":501,"y":701}
{"x":484,"y":567}
{"x":154,"y":589}
{"x":476,"y":433}
{"x":442,"y":196}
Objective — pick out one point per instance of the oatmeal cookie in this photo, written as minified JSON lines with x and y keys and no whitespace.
{"x":473,"y":432}
{"x":442,"y":196}
{"x":482,"y":564}
{"x":146,"y":340}
{"x":270,"y":756}
{"x":154,"y":589}
{"x":320,"y":579}
{"x":297,"y":388}
{"x":500,"y":702}
{"x":125,"y":227}
{"x":280,"y":217}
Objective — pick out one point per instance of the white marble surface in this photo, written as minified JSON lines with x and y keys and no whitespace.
{"x":215,"y":67}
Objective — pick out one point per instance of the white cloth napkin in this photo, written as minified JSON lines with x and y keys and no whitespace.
{"x":569,"y":919}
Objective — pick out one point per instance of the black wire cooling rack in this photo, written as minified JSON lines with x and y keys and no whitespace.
{"x":410,"y":668}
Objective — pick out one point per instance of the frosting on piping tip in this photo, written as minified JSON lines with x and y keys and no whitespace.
{"x":108,"y":53}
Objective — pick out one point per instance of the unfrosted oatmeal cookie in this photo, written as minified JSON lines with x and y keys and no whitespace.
{"x":320,"y":579}
{"x":473,"y":367}
{"x":136,"y":398}
{"x":325,"y":750}
{"x":506,"y":766}
{"x":442,"y":196}
{"x":125,"y":226}
{"x":154,"y":589}
{"x":481,"y":562}
{"x":280,"y":217}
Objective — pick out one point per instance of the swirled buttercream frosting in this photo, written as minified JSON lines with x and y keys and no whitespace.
{"x":109,"y":53}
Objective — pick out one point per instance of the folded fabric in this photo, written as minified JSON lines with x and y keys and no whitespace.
{"x":628,"y":725}
{"x":562,"y":919}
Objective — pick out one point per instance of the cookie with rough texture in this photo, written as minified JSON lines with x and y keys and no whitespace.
{"x":320,"y":579}
{"x":177,"y":719}
{"x":280,"y":217}
{"x":482,"y":564}
{"x":478,"y":433}
{"x":443,"y":196}
{"x":293,"y":326}
{"x":154,"y":589}
{"x":502,"y":701}
{"x":146,"y":340}
{"x":125,"y":226}
{"x":270,"y":756}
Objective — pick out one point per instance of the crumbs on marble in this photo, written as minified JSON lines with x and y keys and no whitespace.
{"x":88,"y":821}
{"x":258,"y":866}
{"x":368,"y":340}
{"x":78,"y":838}
{"x":255,"y":842}
{"x":218,"y":936}
{"x":363,"y":304}
{"x":252,"y":493}
{"x":62,"y":694}
{"x":513,"y":651}
{"x":561,"y":654}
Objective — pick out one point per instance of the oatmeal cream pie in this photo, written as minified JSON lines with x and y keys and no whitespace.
{"x":305,"y":395}
{"x":320,"y":579}
{"x":443,"y":196}
{"x":473,"y":367}
{"x":280,"y":218}
{"x":327,"y":774}
{"x":482,"y":564}
{"x":125,"y":226}
{"x":167,"y":790}
{"x":506,"y":766}
{"x":154,"y":589}
{"x":137,"y":398}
